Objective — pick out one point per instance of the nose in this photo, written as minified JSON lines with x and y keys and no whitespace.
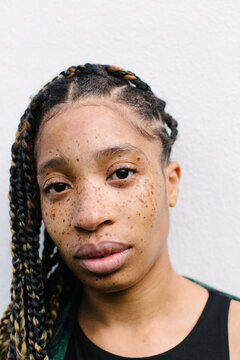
{"x":91,"y":210}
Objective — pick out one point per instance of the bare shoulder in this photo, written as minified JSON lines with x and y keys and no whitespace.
{"x":234,"y":330}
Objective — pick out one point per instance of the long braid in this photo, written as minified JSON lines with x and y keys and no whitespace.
{"x":37,"y":294}
{"x":17,"y":213}
{"x":25,"y":312}
{"x":33,"y":271}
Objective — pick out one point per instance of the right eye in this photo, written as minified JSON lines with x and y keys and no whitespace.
{"x":56,"y":188}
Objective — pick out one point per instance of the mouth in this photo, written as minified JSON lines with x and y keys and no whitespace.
{"x":102,"y":258}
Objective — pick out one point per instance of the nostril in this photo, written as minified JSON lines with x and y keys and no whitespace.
{"x":107,"y":222}
{"x":92,"y":227}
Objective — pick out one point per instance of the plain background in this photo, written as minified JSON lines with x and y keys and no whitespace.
{"x":189,"y":52}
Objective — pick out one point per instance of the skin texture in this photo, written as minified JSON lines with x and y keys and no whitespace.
{"x":144,"y":300}
{"x":96,"y":206}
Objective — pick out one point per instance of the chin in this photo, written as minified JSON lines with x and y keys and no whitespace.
{"x":110,"y":283}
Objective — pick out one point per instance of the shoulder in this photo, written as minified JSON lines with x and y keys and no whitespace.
{"x":234,"y":330}
{"x":233,"y":321}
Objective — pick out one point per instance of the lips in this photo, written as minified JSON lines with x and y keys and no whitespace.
{"x":102,"y":257}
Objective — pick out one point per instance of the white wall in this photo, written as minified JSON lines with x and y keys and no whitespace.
{"x":189,"y":52}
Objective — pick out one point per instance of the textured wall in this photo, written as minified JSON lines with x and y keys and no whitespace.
{"x":189,"y":52}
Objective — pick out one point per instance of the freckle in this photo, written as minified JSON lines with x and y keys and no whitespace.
{"x":77,"y":159}
{"x":63,"y":233}
{"x":146,"y":206}
{"x":138,"y":158}
{"x":63,"y":220}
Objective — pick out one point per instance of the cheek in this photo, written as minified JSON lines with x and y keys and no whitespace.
{"x":57,"y":222}
{"x":146,"y":205}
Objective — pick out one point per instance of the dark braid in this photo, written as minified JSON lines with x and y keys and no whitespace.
{"x":17,"y":212}
{"x":37,"y":295}
{"x":35,"y":299}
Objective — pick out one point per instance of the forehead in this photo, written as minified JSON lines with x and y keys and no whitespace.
{"x":92,"y":127}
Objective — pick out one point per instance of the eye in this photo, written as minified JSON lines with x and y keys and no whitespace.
{"x":56,"y":188}
{"x":122,"y":174}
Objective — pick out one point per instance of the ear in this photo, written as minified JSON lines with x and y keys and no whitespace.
{"x":173,"y":174}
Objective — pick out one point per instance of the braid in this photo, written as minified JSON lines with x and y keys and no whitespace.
{"x":17,"y":321}
{"x":33,"y":273}
{"x":5,"y":332}
{"x":172,"y":124}
{"x":50,"y":256}
{"x":129,"y":76}
{"x":26,"y":320}
{"x":37,"y":295}
{"x":166,"y":118}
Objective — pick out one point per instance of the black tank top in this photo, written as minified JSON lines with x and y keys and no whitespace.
{"x":208,"y":339}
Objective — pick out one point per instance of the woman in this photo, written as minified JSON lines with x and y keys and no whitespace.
{"x":91,"y":159}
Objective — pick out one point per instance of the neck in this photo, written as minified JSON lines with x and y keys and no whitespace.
{"x":152,"y":297}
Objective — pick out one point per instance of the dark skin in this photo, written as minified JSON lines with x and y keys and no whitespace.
{"x":84,"y":201}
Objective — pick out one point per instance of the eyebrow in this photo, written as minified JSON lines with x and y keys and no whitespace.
{"x":52,"y":163}
{"x":115,"y":150}
{"x":59,"y":161}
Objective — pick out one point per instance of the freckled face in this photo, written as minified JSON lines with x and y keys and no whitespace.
{"x":100,"y":180}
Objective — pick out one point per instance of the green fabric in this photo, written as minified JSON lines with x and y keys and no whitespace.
{"x":62,"y":333}
{"x":64,"y":325}
{"x":63,"y":328}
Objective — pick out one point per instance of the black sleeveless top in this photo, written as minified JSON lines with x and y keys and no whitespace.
{"x":208,"y":339}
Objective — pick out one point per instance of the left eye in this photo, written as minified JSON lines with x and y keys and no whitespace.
{"x":122,"y":174}
{"x":56,"y":188}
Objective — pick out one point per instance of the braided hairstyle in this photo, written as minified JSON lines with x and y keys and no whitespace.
{"x":37,"y":295}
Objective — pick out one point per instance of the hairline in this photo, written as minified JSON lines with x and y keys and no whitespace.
{"x":107,"y":101}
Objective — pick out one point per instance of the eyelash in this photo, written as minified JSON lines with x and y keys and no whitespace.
{"x":48,"y":188}
{"x":129,"y":169}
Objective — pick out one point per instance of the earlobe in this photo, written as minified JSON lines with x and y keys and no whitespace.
{"x":173,"y":174}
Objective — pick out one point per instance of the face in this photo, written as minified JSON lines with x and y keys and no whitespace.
{"x":104,"y":194}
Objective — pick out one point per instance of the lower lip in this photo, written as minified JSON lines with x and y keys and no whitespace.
{"x":107,"y":264}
